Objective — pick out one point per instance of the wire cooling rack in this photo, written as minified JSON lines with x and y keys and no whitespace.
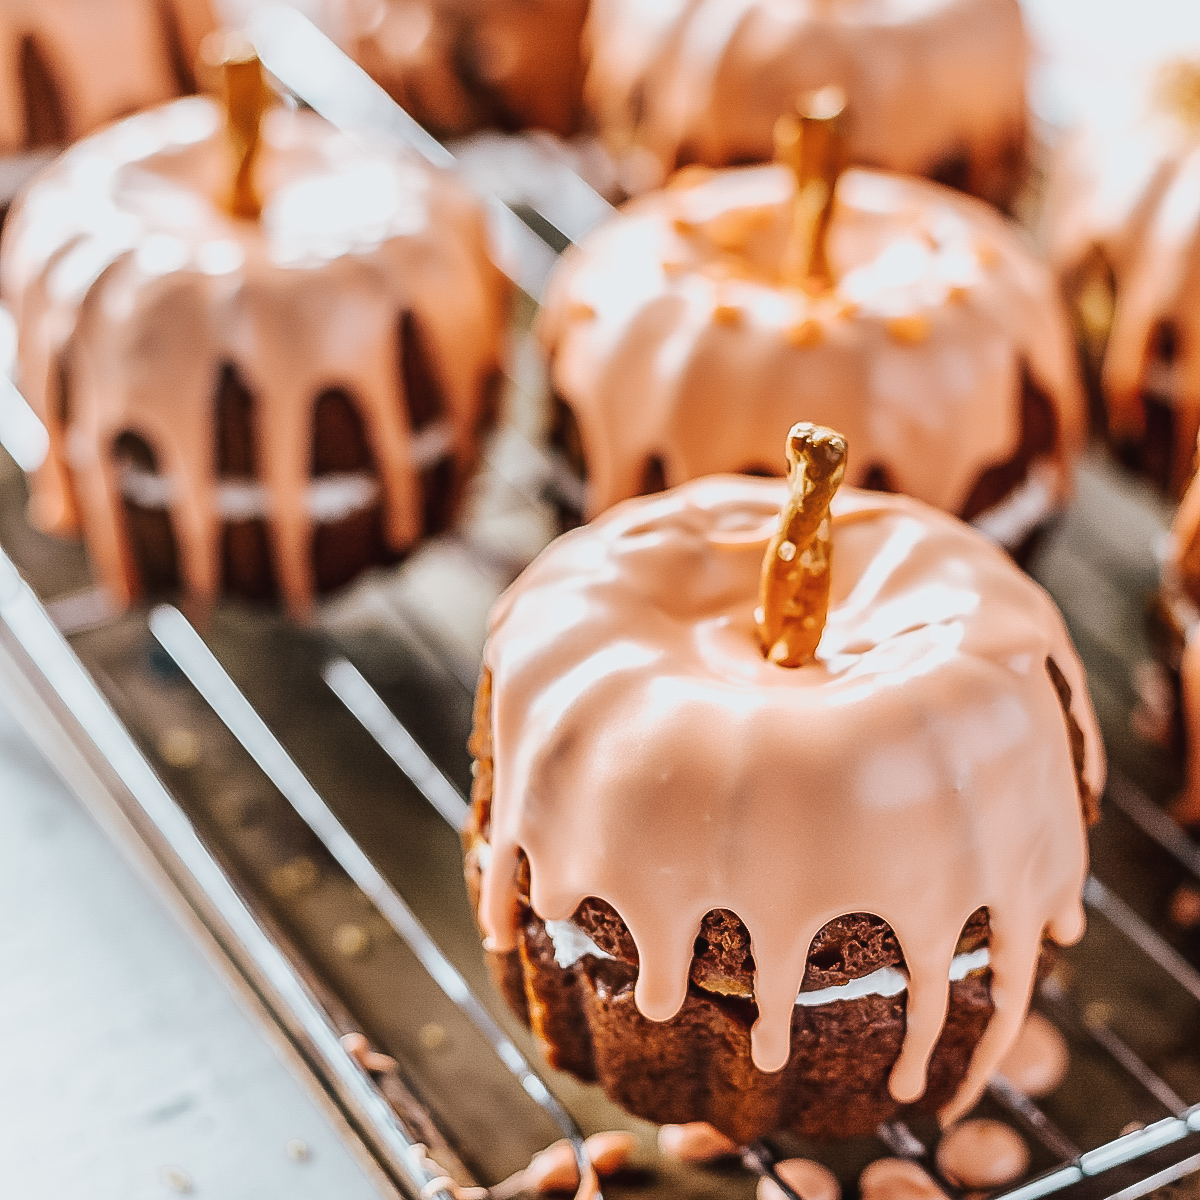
{"x":296,"y":793}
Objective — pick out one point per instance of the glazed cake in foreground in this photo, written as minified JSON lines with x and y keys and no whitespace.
{"x":67,"y":68}
{"x":937,"y":88}
{"x":745,"y":893}
{"x":261,"y":404}
{"x":680,"y":345}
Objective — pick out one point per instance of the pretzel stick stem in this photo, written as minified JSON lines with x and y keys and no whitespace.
{"x":812,"y":142}
{"x":247,"y":98}
{"x":794,"y":588}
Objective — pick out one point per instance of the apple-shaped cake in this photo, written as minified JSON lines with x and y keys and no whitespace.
{"x":773,"y":810}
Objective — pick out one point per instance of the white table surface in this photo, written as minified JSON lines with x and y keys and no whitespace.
{"x":127,"y":1070}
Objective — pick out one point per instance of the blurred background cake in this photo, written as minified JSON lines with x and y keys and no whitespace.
{"x":67,"y":68}
{"x":936,"y":88}
{"x":687,"y":333}
{"x":462,"y":65}
{"x":681,"y":825}
{"x":264,"y":354}
{"x":1123,"y":232}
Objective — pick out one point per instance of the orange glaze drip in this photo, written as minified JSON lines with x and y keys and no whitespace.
{"x":105,"y":59}
{"x":921,"y":379}
{"x":647,"y":754}
{"x":704,"y":80}
{"x":122,"y":260}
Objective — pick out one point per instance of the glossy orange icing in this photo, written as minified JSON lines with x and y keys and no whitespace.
{"x":459,"y":64}
{"x":647,"y":754}
{"x":671,"y":336}
{"x":105,"y":60}
{"x":704,"y":80}
{"x":122,"y":265}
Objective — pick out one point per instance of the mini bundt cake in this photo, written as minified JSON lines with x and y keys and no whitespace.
{"x":67,"y":68}
{"x":262,"y":403}
{"x":789,"y":878}
{"x":682,"y":343}
{"x":1180,"y":597}
{"x":462,"y":65}
{"x":936,"y":88}
{"x":1123,"y":233}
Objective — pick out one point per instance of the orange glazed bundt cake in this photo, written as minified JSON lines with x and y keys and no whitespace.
{"x":772,"y":811}
{"x":1123,"y":231}
{"x":1181,"y":606}
{"x":686,"y":333}
{"x":937,"y":87}
{"x":261,"y":385}
{"x":462,"y":65}
{"x":67,"y":68}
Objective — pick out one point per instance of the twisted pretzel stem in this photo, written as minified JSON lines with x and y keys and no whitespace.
{"x":1177,"y":89}
{"x":793,"y":594}
{"x":812,"y":141}
{"x":247,"y":97}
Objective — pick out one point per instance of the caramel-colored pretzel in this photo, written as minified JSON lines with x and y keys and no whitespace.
{"x":794,"y":592}
{"x":247,"y":98}
{"x":1177,"y":89}
{"x":812,"y":141}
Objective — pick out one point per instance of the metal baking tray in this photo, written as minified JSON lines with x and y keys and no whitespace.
{"x":294,"y":791}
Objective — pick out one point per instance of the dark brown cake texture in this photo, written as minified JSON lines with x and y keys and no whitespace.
{"x":697,"y":1065}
